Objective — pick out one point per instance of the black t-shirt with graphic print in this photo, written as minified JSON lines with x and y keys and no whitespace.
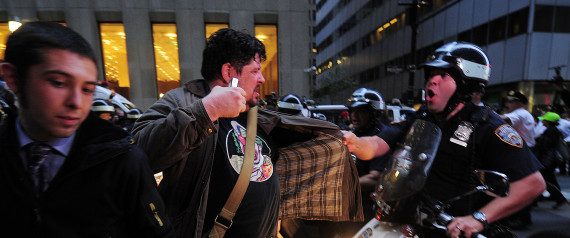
{"x":258,"y":212}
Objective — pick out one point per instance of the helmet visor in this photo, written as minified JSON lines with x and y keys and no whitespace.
{"x":468,"y":69}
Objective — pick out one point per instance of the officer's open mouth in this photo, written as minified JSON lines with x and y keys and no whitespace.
{"x":430,"y":93}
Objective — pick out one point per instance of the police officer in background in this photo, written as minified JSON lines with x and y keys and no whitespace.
{"x":103,"y":109}
{"x":367,"y":109}
{"x":292,"y":104}
{"x":452,"y":74}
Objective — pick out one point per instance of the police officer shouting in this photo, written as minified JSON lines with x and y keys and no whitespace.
{"x":452,"y":74}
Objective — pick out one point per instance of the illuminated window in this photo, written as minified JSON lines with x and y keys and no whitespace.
{"x":268,"y":35}
{"x":166,"y":57}
{"x":114,"y":49}
{"x":4,"y":33}
{"x":211,"y":28}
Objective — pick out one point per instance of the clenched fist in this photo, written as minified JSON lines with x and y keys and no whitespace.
{"x":225,"y":102}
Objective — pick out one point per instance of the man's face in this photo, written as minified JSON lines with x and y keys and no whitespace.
{"x":250,"y":79}
{"x":58,"y":93}
{"x":439,"y":89}
{"x":360,"y":117}
{"x":510,"y":105}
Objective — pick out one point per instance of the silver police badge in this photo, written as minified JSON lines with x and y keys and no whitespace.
{"x":461,"y":135}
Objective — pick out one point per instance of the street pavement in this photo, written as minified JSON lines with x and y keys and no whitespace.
{"x":544,"y":218}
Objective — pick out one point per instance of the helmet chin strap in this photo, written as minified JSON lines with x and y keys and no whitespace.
{"x":456,"y":99}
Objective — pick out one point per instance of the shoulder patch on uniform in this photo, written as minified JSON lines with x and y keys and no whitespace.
{"x":509,"y":135}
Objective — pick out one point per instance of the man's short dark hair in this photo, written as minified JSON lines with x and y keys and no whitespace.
{"x":229,"y":46}
{"x":25,"y":47}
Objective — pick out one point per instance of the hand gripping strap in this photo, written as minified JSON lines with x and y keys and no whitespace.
{"x":232,"y":204}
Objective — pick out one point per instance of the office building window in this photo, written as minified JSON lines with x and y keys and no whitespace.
{"x":518,"y":22}
{"x":543,"y":18}
{"x":480,"y":35}
{"x":4,"y":33}
{"x":166,"y":57}
{"x":114,"y":48}
{"x":464,"y":36}
{"x":211,"y":28}
{"x":497,"y":29}
{"x":268,"y":35}
{"x":562,"y":19}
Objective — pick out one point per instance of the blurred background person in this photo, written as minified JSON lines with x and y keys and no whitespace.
{"x":291,"y":104}
{"x":518,"y":116}
{"x":545,"y":151}
{"x":103,"y":109}
{"x":344,"y":121}
{"x":477,"y":97}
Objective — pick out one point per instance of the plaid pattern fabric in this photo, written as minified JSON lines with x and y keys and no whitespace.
{"x":319,"y":181}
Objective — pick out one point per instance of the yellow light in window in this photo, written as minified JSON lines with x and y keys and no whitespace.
{"x":261,"y":37}
{"x":380,"y":29}
{"x":393,"y":21}
{"x":386,"y":25}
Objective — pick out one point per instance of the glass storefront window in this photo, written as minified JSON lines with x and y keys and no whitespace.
{"x":114,"y":48}
{"x":211,"y":28}
{"x":4,"y":33}
{"x":268,"y":35}
{"x":166,"y":57}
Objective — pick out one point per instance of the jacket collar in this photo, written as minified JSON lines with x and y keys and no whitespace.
{"x":199,"y":87}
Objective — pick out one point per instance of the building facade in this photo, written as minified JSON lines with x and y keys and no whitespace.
{"x":147,"y":47}
{"x":371,"y":43}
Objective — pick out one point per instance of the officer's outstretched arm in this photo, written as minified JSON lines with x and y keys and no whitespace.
{"x":366,"y":147}
{"x":521,"y":193}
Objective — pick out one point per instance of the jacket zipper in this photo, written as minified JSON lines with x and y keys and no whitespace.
{"x":155,"y":212}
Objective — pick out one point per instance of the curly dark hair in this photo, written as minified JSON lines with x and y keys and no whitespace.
{"x":229,"y":46}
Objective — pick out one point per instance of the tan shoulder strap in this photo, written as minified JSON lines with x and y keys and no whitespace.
{"x":224,"y":219}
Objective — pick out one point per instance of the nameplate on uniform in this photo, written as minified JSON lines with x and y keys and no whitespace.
{"x":462,"y":134}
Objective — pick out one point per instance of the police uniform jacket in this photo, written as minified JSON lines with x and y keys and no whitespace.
{"x":475,"y":138}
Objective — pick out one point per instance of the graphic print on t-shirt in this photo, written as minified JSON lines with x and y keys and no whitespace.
{"x":262,"y":165}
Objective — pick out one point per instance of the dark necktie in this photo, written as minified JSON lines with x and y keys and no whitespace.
{"x":37,"y":153}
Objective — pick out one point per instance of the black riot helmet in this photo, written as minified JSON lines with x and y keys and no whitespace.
{"x":466,"y":63}
{"x":365,"y":96}
{"x":290,"y":104}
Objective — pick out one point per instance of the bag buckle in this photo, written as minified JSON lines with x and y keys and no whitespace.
{"x":225,"y":223}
